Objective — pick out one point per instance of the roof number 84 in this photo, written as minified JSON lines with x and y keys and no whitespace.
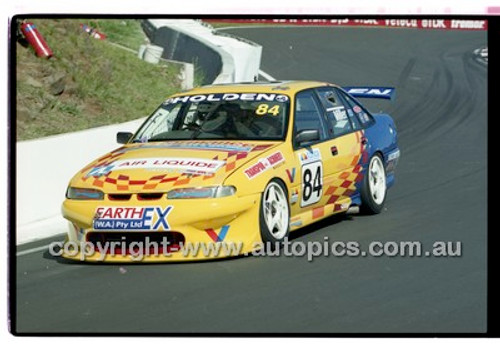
{"x":263,"y":109}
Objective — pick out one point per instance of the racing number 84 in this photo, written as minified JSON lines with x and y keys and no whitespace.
{"x":312,"y":183}
{"x":264,"y":109}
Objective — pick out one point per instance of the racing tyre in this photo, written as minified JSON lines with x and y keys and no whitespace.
{"x":274,"y":215}
{"x":374,"y":187}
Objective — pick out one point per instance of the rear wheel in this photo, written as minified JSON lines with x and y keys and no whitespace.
{"x":274,"y":216}
{"x":374,"y":186}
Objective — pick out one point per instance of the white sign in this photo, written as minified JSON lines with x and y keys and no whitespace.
{"x":183,"y":165}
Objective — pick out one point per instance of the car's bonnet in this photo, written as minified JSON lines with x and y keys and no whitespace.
{"x":161,"y":166}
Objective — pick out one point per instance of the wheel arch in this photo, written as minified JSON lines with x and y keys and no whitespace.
{"x":277,"y":179}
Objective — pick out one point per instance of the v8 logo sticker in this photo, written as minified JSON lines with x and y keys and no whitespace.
{"x":218,"y":237}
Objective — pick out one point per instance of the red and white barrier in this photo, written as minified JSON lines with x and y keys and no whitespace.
{"x":394,"y":23}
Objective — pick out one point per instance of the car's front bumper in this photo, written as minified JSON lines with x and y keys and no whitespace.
{"x":211,"y":228}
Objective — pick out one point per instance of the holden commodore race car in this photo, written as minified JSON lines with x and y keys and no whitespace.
{"x":239,"y":163}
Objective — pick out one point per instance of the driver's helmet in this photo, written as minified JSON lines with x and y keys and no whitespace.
{"x":203,"y":109}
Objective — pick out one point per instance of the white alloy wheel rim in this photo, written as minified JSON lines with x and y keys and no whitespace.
{"x":276,"y":211}
{"x":376,"y":179}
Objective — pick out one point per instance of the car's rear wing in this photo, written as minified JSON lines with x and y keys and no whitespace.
{"x":371,"y":92}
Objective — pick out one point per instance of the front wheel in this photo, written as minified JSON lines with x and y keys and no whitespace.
{"x":374,"y":188}
{"x":274,"y":216}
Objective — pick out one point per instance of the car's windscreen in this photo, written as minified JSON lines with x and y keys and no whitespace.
{"x":243,"y":116}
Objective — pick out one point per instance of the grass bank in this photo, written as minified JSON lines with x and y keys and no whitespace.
{"x":87,"y":83}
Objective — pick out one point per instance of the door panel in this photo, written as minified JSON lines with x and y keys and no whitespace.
{"x":328,"y":170}
{"x":328,"y":175}
{"x":344,"y":171}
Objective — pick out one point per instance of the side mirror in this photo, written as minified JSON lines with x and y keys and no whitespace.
{"x":307,"y":135}
{"x":123,"y":137}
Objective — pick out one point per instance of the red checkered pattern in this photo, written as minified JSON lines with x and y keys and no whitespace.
{"x":345,"y":184}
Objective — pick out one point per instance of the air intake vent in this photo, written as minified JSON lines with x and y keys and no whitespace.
{"x":119,"y":196}
{"x":149,"y":196}
{"x":152,"y":242}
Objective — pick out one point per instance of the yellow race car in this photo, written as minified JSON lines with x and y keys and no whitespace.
{"x":219,"y":170}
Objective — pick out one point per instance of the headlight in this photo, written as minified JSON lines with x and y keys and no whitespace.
{"x":84,"y":194}
{"x":202,"y":192}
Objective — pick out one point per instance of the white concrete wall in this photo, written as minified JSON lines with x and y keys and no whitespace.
{"x":240,"y":59}
{"x":44,"y":168}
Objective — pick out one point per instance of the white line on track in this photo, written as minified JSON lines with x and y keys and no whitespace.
{"x":35,"y":249}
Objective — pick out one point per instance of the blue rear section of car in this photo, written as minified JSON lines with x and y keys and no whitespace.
{"x":383,"y":138}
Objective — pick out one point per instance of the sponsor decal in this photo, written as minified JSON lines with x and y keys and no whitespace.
{"x":183,"y":165}
{"x":132,"y":218}
{"x":281,"y":98}
{"x":469,"y":24}
{"x":217,"y":97}
{"x":218,"y":146}
{"x":444,"y":24}
{"x":296,"y":223}
{"x":99,"y":171}
{"x":222,"y":146}
{"x":338,"y":112}
{"x":433,"y":24}
{"x":291,"y":174}
{"x":220,"y":236}
{"x":393,"y":155}
{"x":295,"y":197}
{"x":401,"y":23}
{"x":392,"y":160}
{"x":264,"y":164}
{"x":309,"y":156}
{"x":371,"y":92}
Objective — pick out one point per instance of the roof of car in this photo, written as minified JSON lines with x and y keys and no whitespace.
{"x":288,"y":87}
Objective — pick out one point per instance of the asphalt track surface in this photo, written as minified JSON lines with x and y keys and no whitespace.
{"x":440,"y":195}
